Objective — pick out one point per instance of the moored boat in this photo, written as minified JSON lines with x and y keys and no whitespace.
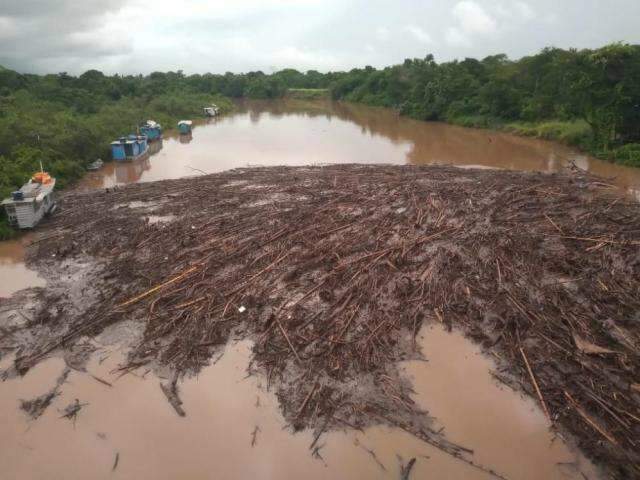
{"x":97,"y":165}
{"x":153,"y":130}
{"x":129,"y":148}
{"x":184,"y":126}
{"x":211,"y":111}
{"x":32,"y":202}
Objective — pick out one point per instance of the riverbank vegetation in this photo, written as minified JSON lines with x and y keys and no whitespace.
{"x":67,"y":122}
{"x":586,"y":98}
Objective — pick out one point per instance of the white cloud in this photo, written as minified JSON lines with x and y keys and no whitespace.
{"x":514,"y":11}
{"x":383,"y":34}
{"x":473,"y":18}
{"x":488,"y":19}
{"x":130,"y":36}
{"x":419,"y":34}
{"x":456,"y":38}
{"x":8,"y":27}
{"x":291,"y":56}
{"x":525,"y":11}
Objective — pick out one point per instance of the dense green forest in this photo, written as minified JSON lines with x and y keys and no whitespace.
{"x":587,"y":98}
{"x":68,"y":122}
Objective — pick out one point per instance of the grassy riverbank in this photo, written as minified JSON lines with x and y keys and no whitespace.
{"x":575,"y":133}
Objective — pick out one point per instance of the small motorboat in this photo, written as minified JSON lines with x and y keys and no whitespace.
{"x":211,"y":111}
{"x":93,"y":166}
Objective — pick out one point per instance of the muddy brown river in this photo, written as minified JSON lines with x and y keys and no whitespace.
{"x":233,"y":428}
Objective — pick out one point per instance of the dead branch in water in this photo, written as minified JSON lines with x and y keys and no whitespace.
{"x":405,"y":470}
{"x":254,"y":436}
{"x":535,"y":385}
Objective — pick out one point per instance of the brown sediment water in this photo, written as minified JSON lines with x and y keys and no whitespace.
{"x":504,"y":429}
{"x":14,"y":274}
{"x":294,"y":132}
{"x":233,"y":428}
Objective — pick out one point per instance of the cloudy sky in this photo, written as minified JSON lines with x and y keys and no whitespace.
{"x":140,"y":36}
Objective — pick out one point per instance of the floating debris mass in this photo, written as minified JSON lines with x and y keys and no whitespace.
{"x":333,"y":270}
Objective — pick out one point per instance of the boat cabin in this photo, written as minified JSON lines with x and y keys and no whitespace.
{"x":129,"y":148}
{"x":32,"y":202}
{"x":152,"y":130}
{"x":184,"y":126}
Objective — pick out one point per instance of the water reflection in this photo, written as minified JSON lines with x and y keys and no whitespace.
{"x":120,"y":173}
{"x":130,"y":172}
{"x":186,"y":138}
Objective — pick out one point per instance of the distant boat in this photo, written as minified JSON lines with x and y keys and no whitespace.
{"x":211,"y":111}
{"x":32,"y":202}
{"x":184,"y":126}
{"x":97,"y":165}
{"x":152,"y":130}
{"x":129,"y":148}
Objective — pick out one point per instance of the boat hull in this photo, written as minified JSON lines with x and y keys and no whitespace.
{"x":26,"y":212}
{"x":131,"y":158}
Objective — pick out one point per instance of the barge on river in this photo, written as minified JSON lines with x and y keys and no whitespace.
{"x":32,"y":202}
{"x":184,"y":127}
{"x":129,"y":148}
{"x":152,"y":130}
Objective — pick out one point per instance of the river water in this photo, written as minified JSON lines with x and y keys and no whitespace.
{"x":133,"y":422}
{"x":132,"y":419}
{"x":302,"y":133}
